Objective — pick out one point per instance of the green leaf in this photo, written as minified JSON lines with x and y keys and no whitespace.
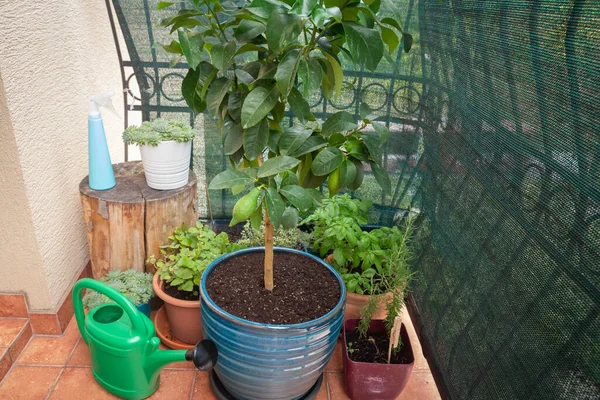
{"x":311,"y":144}
{"x":174,"y":47}
{"x":255,"y":139}
{"x":327,"y":161}
{"x":192,"y":47}
{"x":228,"y":179}
{"x":289,"y":218}
{"x":364,"y":44}
{"x":360,"y":174}
{"x":244,"y":77}
{"x":292,"y":139}
{"x":303,"y":7}
{"x":248,"y":47}
{"x":286,"y":72}
{"x":408,"y":41}
{"x":338,"y":74}
{"x":390,"y":38}
{"x":282,"y":29}
{"x":392,"y":22}
{"x":267,"y":71}
{"x":222,"y":55}
{"x":233,"y":136}
{"x":190,"y":93}
{"x":311,"y":74}
{"x":298,"y":196}
{"x":319,"y":16}
{"x":264,"y":8}
{"x":216,"y":93}
{"x":339,"y":122}
{"x":163,"y":4}
{"x":382,"y":177}
{"x":258,"y":104}
{"x":276,"y":165}
{"x":316,"y":195}
{"x":347,"y":173}
{"x":299,"y":106}
{"x":373,"y":143}
{"x":364,"y":110}
{"x":256,"y":218}
{"x":248,"y":30}
{"x":275,"y":206}
{"x":188,"y":286}
{"x":289,"y":178}
{"x":235,"y":105}
{"x":383,"y":131}
{"x":335,"y":3}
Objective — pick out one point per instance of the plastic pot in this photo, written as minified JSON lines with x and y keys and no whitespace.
{"x":376,"y":381}
{"x":260,"y":361}
{"x":183,"y":315}
{"x":145,"y":308}
{"x":167,"y":166}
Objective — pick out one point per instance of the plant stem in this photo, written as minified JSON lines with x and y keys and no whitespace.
{"x":268,"y":253}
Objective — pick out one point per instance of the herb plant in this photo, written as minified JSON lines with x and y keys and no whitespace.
{"x":189,"y":254}
{"x":135,"y":285}
{"x":152,"y":133}
{"x":250,"y":63}
{"x":252,"y":237}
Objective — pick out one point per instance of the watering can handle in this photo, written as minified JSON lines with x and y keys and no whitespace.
{"x":135,"y":316}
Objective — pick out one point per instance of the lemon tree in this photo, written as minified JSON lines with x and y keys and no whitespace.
{"x":249,"y":65}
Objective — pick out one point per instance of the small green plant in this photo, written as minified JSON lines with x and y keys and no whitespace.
{"x":252,"y":237}
{"x":350,"y":349}
{"x":189,"y":254}
{"x":135,"y":285}
{"x":159,"y":130}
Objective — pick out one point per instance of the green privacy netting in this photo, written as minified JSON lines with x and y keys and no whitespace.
{"x":495,"y":139}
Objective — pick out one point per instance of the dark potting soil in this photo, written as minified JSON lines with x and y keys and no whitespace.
{"x":374,"y":349}
{"x":182,"y":294}
{"x":233,"y":232}
{"x":304,"y":289}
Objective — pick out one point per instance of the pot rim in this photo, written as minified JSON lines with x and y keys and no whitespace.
{"x":163,"y":141}
{"x":245,"y":322}
{"x":375,"y":365}
{"x":158,"y":285}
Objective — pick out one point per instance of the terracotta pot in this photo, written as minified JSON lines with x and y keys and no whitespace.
{"x":356,"y":302}
{"x":376,"y":381}
{"x":183,"y":315}
{"x":163,"y":331}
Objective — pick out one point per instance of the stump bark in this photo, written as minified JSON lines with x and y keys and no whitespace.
{"x":128,"y":223}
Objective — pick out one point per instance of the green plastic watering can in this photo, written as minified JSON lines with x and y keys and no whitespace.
{"x":126,"y":360}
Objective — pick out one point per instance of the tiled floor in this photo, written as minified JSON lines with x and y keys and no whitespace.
{"x":59,"y":368}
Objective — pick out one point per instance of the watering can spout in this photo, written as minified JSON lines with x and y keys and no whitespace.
{"x":204,"y":356}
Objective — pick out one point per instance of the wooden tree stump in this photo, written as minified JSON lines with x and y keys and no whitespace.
{"x":128,"y":223}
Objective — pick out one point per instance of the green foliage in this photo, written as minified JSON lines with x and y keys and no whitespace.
{"x":249,"y":63}
{"x":374,"y":262}
{"x":189,"y":254}
{"x":252,"y":237}
{"x":135,"y":285}
{"x":159,"y":130}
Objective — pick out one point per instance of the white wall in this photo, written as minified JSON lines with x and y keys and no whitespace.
{"x":53,"y":55}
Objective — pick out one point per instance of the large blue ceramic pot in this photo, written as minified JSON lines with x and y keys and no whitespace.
{"x":259,"y":361}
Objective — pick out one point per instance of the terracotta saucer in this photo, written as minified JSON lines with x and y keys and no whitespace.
{"x":163,"y":330}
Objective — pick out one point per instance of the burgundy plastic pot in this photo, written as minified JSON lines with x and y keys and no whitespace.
{"x":369,"y":381}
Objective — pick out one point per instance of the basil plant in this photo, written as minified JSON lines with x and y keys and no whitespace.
{"x":249,"y":63}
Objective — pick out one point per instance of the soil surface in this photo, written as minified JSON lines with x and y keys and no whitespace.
{"x":233,"y":232}
{"x":374,"y":349}
{"x":182,"y":294}
{"x":304,"y":289}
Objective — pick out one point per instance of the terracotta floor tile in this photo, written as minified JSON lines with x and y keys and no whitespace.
{"x":78,"y":384}
{"x":18,"y":346}
{"x":420,"y":360}
{"x":28,"y":383}
{"x":10,"y":329}
{"x":322,"y":395}
{"x":174,"y":385}
{"x":181,"y":365}
{"x":81,"y":355}
{"x":49,"y":350}
{"x":5,"y":362}
{"x":44,"y":324}
{"x":202,"y":390}
{"x":421,"y":386}
{"x":335,"y":364}
{"x":13,"y":305}
{"x":337,"y":391}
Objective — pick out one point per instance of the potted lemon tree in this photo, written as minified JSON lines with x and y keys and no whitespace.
{"x":274,"y":313}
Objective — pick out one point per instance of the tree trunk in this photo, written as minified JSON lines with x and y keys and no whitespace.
{"x":128,"y":223}
{"x":268,"y":253}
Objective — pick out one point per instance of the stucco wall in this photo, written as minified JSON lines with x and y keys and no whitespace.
{"x":53,"y":55}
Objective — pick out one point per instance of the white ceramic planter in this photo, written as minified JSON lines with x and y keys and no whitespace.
{"x":167,"y":166}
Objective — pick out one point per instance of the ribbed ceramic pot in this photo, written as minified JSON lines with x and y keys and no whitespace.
{"x":167,"y":166}
{"x":259,"y":361}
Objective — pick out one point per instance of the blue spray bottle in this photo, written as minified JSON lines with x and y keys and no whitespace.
{"x":102,"y":176}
